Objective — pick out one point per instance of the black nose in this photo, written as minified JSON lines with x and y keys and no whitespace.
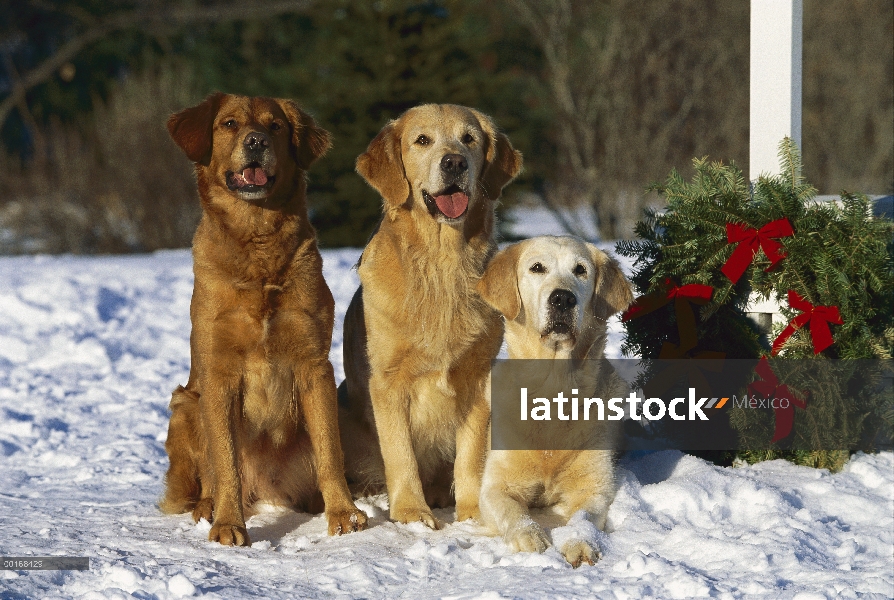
{"x":454,"y":164}
{"x":256,"y":141}
{"x":562,"y":300}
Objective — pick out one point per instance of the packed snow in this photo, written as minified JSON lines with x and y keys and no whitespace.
{"x":90,"y":349}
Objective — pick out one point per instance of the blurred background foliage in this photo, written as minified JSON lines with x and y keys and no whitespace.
{"x":602,"y":97}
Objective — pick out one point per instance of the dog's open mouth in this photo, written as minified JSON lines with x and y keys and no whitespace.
{"x":452,"y":202}
{"x":251,"y":179}
{"x":558,"y":330}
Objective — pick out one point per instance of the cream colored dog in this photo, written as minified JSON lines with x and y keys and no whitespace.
{"x":556,"y":294}
{"x":418,"y":338}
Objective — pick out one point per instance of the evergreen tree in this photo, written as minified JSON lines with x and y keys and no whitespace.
{"x":354,"y":66}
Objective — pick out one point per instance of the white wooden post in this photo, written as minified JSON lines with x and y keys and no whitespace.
{"x":776,"y":42}
{"x":776,"y":33}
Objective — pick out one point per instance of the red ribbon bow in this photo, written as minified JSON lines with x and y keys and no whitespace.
{"x":681,"y":295}
{"x":771,"y":388}
{"x":818,"y":317}
{"x":749,"y":239}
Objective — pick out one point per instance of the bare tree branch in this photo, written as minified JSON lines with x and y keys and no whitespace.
{"x":632,"y":93}
{"x":569,"y":39}
{"x":156,"y":14}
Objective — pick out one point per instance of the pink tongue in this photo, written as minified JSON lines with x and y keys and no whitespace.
{"x":452,"y":205}
{"x":254,"y":176}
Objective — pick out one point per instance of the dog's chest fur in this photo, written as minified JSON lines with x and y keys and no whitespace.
{"x":432,"y":287}
{"x":268,"y":402}
{"x":263,"y":271}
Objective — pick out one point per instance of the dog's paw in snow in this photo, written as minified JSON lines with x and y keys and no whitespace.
{"x":529,"y":538}
{"x":346,"y":521}
{"x":578,"y":540}
{"x":411,"y":514}
{"x":204,"y":509}
{"x":229,"y":535}
{"x":578,"y":552}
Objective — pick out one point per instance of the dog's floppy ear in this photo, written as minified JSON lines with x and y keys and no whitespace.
{"x":383,"y":168}
{"x":502,"y":162}
{"x":612,"y":292}
{"x":309,"y":139}
{"x":191,"y":128}
{"x":499,"y":284}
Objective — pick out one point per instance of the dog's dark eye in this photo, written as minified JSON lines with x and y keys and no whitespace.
{"x":537,"y":268}
{"x":230,"y":123}
{"x":580,"y":270}
{"x":274,"y":126}
{"x":468,"y":139}
{"x":423,"y":140}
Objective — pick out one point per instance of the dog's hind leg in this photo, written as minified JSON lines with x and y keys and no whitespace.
{"x":182,"y":485}
{"x":204,"y":508}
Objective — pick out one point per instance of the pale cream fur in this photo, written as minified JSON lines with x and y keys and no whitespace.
{"x":418,"y":338}
{"x":519,"y":282}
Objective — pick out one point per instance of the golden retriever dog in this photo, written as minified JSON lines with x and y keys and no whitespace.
{"x":555,"y":294}
{"x":418,"y":338}
{"x":257,"y":420}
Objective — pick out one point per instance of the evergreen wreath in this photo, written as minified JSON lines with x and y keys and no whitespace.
{"x":830,"y":266}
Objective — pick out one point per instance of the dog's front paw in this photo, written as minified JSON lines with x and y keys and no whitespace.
{"x":229,"y":535}
{"x":415,"y":515}
{"x":529,"y":538}
{"x":578,"y":552}
{"x":346,"y":521}
{"x":204,"y":509}
{"x":468,"y":511}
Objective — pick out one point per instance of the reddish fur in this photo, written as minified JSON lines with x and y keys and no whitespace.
{"x":257,"y":418}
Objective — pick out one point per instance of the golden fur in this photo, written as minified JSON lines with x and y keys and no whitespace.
{"x":418,"y":339}
{"x":527,"y":283}
{"x":257,"y":419}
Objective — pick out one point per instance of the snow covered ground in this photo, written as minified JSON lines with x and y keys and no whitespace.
{"x":90,"y":349}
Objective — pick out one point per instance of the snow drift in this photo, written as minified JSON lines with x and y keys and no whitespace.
{"x":90,"y":349}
